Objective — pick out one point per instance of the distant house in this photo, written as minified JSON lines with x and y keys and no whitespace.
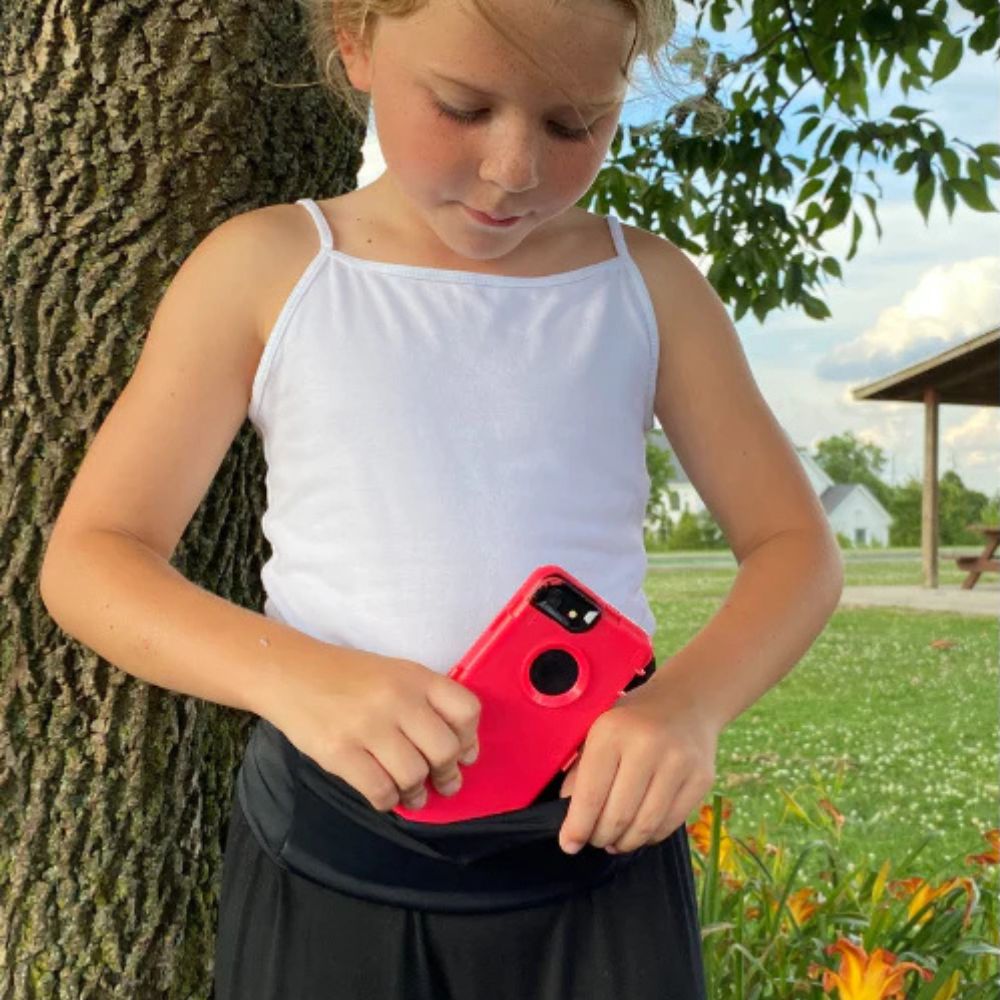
{"x":851,"y":508}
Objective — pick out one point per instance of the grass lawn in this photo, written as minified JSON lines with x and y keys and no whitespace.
{"x":901,"y":737}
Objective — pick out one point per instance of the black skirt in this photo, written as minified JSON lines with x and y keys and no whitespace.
{"x":324,"y":896}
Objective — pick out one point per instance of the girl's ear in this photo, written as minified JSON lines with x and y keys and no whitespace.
{"x":356,"y":56}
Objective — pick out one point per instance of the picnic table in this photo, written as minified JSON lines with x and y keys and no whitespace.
{"x":984,"y":562}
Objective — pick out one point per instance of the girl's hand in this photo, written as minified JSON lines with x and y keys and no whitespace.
{"x":646,"y":763}
{"x":383,"y":724}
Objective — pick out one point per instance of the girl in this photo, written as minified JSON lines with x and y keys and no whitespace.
{"x":452,"y":371}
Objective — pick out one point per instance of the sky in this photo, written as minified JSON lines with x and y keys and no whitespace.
{"x":918,"y":290}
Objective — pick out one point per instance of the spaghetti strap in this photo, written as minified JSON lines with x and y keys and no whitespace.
{"x":614,"y":224}
{"x":325,"y":235}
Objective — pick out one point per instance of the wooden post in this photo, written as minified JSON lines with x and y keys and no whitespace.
{"x":929,"y":518}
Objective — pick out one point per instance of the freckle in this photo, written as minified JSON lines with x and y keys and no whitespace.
{"x":264,"y":641}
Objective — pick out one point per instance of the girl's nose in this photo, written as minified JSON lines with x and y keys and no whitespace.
{"x":511,"y":159}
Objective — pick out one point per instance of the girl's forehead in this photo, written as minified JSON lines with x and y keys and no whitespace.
{"x":581,"y":45}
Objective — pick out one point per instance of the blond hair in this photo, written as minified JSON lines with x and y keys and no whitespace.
{"x":655,"y":24}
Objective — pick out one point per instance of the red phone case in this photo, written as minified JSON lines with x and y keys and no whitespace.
{"x":525,"y":734}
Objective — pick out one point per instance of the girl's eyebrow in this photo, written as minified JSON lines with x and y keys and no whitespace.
{"x":598,"y":106}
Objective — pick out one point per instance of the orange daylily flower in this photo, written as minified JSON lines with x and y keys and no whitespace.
{"x":701,"y":832}
{"x":827,"y":806}
{"x":861,"y":976}
{"x":800,"y":904}
{"x":992,"y":856}
{"x":921,"y":893}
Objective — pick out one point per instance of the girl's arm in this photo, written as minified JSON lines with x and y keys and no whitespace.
{"x":126,"y":602}
{"x":106,"y":578}
{"x":743,"y":465}
{"x":785,"y":591}
{"x":650,"y":759}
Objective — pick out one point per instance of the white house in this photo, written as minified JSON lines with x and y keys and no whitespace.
{"x":852,"y":508}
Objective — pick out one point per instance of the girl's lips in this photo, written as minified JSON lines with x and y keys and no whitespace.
{"x":487,"y":220}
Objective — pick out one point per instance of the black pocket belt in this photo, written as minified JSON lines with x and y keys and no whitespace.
{"x":313,"y":823}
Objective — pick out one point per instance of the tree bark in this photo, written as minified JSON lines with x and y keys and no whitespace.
{"x":127,"y":132}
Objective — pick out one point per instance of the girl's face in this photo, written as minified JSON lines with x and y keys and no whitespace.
{"x":521,"y":149}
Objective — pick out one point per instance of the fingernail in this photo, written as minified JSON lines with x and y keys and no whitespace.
{"x":470,"y":757}
{"x":611,"y":849}
{"x":571,"y":847}
{"x":451,"y":787}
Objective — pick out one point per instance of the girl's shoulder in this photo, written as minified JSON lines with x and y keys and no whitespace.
{"x":288,"y":238}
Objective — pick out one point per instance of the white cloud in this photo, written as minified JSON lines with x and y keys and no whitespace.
{"x":948,"y":304}
{"x":977,"y":439}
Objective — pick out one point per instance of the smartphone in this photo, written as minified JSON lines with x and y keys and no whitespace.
{"x":554,"y":658}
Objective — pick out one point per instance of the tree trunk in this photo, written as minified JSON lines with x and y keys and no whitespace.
{"x":127,"y":133}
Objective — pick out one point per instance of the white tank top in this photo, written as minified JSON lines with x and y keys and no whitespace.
{"x":432,"y":436}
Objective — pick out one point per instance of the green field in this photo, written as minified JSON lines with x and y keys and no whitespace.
{"x":901,"y":737}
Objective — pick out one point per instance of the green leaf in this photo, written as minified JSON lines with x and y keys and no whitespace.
{"x":807,"y":126}
{"x":948,"y":197}
{"x":884,"y":70}
{"x":839,"y":145}
{"x":793,"y":282}
{"x":819,"y":166}
{"x":877,"y":20}
{"x":972,"y":194}
{"x":985,"y":36}
{"x":990,"y":168}
{"x":903,"y":162}
{"x":832,"y":266}
{"x":952,"y":166}
{"x":840,"y":205}
{"x":988,"y":149}
{"x":924,"y":194}
{"x":859,"y":92}
{"x":809,"y":189}
{"x":824,"y":136}
{"x":906,"y":113}
{"x":871,"y":208}
{"x":949,"y":55}
{"x":855,"y":236}
{"x":815,"y":308}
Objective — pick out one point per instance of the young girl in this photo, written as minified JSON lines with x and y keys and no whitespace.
{"x":447,"y":402}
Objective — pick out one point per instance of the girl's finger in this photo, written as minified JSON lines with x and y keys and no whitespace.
{"x":624,"y":801}
{"x":595,"y":775}
{"x":656,"y":812}
{"x":438,"y":744}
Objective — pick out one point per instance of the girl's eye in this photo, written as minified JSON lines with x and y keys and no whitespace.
{"x":470,"y":117}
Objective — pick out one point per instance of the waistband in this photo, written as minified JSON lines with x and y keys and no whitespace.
{"x":316,"y":825}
